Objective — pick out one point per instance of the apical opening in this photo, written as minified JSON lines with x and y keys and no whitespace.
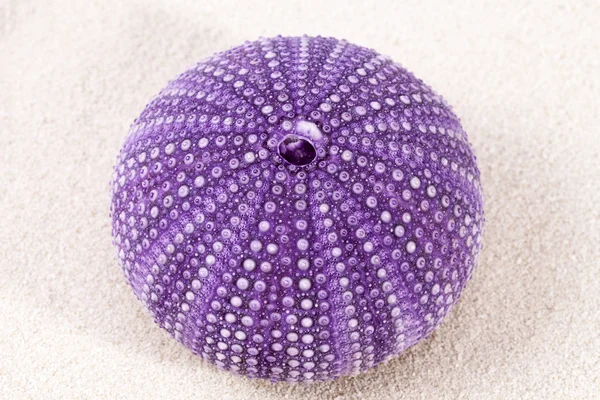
{"x":297,"y":150}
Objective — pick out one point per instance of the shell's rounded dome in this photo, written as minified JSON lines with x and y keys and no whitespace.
{"x":297,"y":209}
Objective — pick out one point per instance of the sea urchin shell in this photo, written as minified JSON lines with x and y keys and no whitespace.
{"x":297,"y":209}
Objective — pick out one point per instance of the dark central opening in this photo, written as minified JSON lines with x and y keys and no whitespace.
{"x":296,"y":150}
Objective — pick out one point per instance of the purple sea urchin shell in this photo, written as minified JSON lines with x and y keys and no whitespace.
{"x":297,"y":209}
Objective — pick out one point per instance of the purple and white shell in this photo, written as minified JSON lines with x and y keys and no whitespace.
{"x":297,"y":209}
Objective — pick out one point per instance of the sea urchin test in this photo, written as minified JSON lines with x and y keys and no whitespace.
{"x":297,"y":209}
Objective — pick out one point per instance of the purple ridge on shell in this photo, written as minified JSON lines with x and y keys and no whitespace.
{"x":297,"y":209}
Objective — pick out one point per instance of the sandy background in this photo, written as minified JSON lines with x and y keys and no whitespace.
{"x":524,"y":78}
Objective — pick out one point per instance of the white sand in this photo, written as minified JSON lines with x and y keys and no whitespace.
{"x":524,"y":79}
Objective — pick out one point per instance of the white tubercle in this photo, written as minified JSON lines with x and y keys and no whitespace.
{"x":309,"y":130}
